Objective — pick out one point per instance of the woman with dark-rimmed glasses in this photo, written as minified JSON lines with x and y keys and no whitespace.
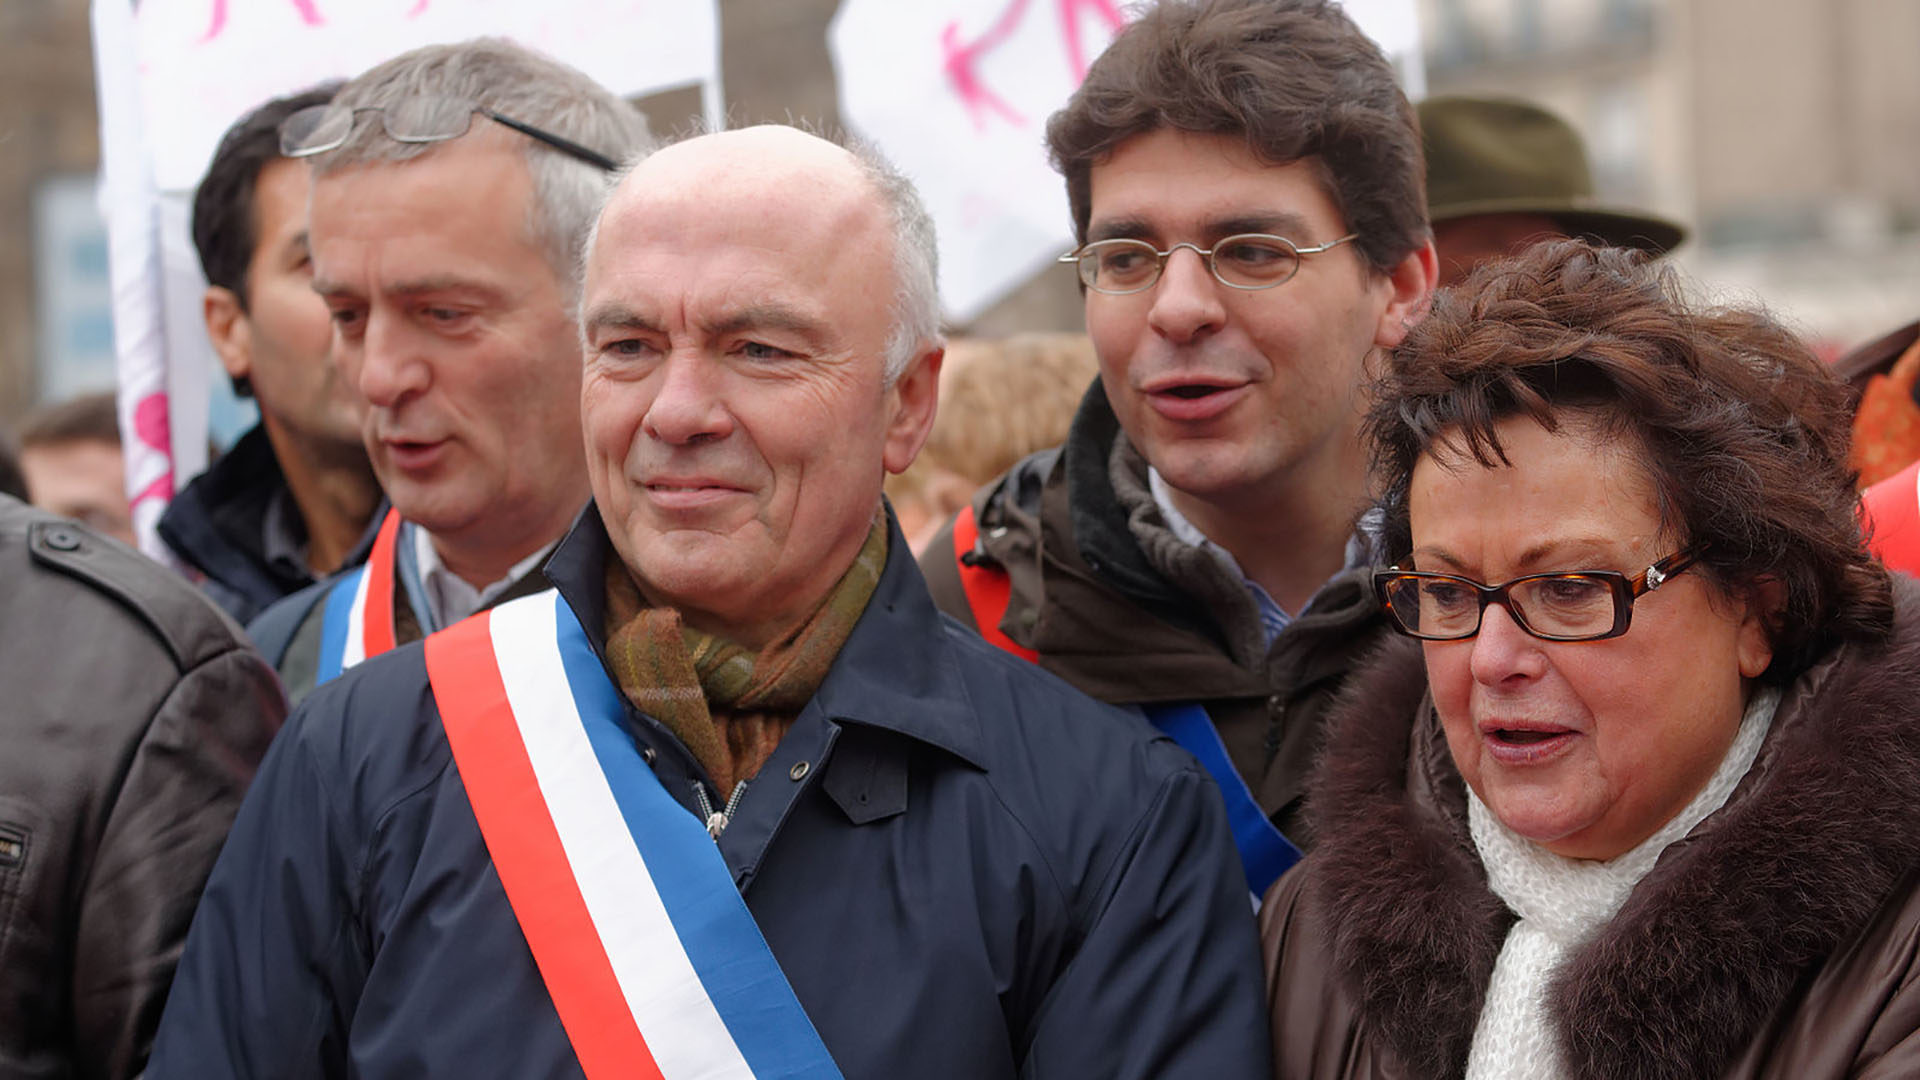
{"x":1638,"y":793}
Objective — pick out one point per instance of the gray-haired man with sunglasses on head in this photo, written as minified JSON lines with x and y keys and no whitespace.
{"x":452,"y":190}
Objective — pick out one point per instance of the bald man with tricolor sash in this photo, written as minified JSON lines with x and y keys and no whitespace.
{"x":732,"y":799}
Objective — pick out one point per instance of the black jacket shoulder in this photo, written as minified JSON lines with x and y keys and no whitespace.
{"x":189,"y":627}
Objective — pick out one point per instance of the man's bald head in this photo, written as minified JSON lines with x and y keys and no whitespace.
{"x":755,"y":362}
{"x":760,"y":176}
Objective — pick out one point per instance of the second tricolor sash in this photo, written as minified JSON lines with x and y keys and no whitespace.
{"x":358,"y":620}
{"x":647,"y":949}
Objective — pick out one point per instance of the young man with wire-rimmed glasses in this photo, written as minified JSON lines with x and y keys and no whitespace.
{"x":1246,"y":184}
{"x":452,"y":191}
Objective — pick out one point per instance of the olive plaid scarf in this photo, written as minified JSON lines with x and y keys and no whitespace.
{"x":730,"y":705}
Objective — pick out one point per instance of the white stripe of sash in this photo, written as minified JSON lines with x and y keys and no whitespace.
{"x":685,"y":1033}
{"x":356,"y":647}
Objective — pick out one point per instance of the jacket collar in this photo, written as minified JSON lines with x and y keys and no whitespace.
{"x":1098,"y":518}
{"x":1712,"y":941}
{"x":218,"y":522}
{"x":897,"y":672}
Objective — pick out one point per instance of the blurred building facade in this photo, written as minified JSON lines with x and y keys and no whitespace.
{"x":53,"y":306}
{"x":1785,"y":133}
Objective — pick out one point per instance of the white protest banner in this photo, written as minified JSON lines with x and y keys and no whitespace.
{"x":957,"y":93}
{"x":174,"y":74}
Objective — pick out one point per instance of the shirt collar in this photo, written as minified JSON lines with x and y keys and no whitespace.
{"x":449,"y":598}
{"x":1272,"y":616}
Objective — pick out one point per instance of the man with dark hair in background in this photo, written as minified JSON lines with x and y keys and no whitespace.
{"x":71,"y":458}
{"x":287,"y":505}
{"x":1245,"y":178}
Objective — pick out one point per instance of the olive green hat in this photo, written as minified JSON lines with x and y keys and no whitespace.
{"x":1501,"y":156}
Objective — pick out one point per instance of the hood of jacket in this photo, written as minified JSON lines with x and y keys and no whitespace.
{"x":1709,"y":944}
{"x":1088,"y":599}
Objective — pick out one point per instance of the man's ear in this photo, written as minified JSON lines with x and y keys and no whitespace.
{"x":912,"y":401}
{"x":1409,"y":286}
{"x":229,"y":330}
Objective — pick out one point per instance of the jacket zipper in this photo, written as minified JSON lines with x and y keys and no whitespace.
{"x":717,"y":822}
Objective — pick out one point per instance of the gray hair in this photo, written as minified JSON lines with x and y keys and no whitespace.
{"x":514,"y":81}
{"x":916,"y":259}
{"x":916,"y":255}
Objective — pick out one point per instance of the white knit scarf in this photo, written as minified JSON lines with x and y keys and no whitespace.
{"x":1562,"y":903}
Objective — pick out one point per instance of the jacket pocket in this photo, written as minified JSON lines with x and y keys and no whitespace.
{"x":22,"y":943}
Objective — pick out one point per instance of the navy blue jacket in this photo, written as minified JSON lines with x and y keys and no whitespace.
{"x":980,"y":873}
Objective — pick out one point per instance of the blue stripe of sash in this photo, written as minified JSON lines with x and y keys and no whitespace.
{"x":333,"y":625}
{"x":1265,"y":853}
{"x":740,"y":974}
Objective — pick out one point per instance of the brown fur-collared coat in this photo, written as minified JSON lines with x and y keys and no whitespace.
{"x":1779,"y":939}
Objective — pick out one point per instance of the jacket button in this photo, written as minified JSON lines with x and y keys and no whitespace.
{"x":61,"y":538}
{"x":647,"y":755}
{"x":1276,"y":704}
{"x":799,"y":771}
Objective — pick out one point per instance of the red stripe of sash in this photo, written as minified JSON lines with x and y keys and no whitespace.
{"x":526,"y":851}
{"x":377,"y":622}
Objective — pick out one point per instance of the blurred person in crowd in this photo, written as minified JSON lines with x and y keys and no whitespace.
{"x":790,"y":820}
{"x":135,"y":715}
{"x":1245,"y":178}
{"x":1885,"y":374}
{"x":452,"y":188}
{"x":290,"y":502}
{"x":1640,"y":802}
{"x":1000,"y":400}
{"x":70,"y":453}
{"x":1503,"y":173}
{"x":12,"y":481}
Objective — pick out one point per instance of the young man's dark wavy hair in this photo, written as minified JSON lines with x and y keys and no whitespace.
{"x":1295,"y":78}
{"x":1742,"y":432}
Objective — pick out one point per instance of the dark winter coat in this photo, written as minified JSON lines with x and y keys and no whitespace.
{"x":1089,"y":601}
{"x":134,"y":715}
{"x":965,"y":868}
{"x":237,"y":526}
{"x":1779,"y":939}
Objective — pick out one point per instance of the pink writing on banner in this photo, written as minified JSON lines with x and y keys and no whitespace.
{"x":309,"y":13}
{"x":961,"y":60}
{"x":1070,"y":22}
{"x":308,"y":10}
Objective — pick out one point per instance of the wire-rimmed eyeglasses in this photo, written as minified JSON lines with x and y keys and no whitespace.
{"x":420,"y":119}
{"x":1249,"y":261}
{"x":1575,"y":605}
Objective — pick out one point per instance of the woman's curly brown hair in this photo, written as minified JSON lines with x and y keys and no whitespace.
{"x":1742,"y":431}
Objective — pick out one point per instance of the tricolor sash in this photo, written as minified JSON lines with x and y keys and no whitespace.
{"x":358,"y":621}
{"x":1265,"y":852}
{"x":647,"y":949}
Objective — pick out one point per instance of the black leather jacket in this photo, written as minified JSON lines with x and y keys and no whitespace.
{"x":134,"y":714}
